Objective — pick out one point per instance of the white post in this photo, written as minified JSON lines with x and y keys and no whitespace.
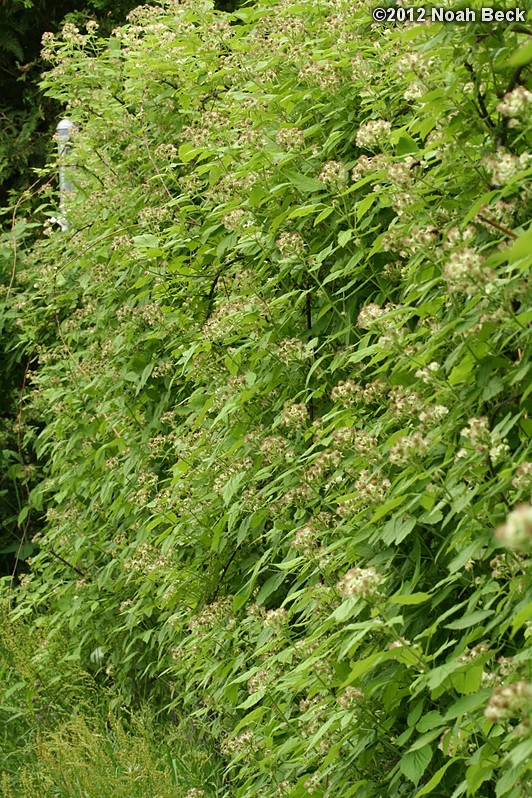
{"x":63,"y":130}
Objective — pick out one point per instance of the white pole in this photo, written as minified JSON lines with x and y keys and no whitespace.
{"x":63,"y":130}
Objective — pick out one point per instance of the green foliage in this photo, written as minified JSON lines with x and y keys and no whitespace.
{"x":61,"y":737}
{"x":26,"y":119}
{"x":283,"y":392}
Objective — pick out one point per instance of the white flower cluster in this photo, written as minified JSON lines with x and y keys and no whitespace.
{"x":274,"y":447}
{"x":465,"y":272}
{"x":368,"y":165}
{"x":426,"y":374}
{"x":408,"y":447}
{"x":516,"y":532}
{"x":433,"y":414}
{"x":238,"y":219}
{"x":294,"y":415}
{"x":504,"y":166}
{"x":312,"y":784}
{"x":371,"y":133}
{"x":516,"y":102}
{"x":360,"y":583}
{"x":371,"y":315}
{"x":320,"y":74}
{"x":292,"y":350}
{"x":322,"y":463}
{"x":523,"y":477}
{"x":306,"y":539}
{"x":291,"y":244}
{"x":244,"y":743}
{"x":509,"y":702}
{"x":471,"y":654}
{"x":401,"y":172}
{"x":414,"y":61}
{"x":290,"y":138}
{"x":483,"y":441}
{"x":415,"y":90}
{"x":257,"y":682}
{"x":276,"y":619}
{"x":404,"y":402}
{"x":371,"y":488}
{"x":333,"y":174}
{"x":350,"y":697}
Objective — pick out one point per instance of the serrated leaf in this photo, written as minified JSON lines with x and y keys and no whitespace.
{"x":467,"y":680}
{"x":231,"y":487}
{"x":414,"y":763}
{"x":344,"y":237}
{"x":146,"y":241}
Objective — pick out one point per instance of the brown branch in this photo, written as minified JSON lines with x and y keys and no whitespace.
{"x":69,"y":564}
{"x":500,"y":227}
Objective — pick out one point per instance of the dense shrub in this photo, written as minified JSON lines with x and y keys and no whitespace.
{"x":283,"y":391}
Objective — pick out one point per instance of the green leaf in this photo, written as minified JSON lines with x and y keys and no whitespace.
{"x":411,"y":598}
{"x":303,"y":183}
{"x":253,"y":699}
{"x":146,"y":241}
{"x":521,"y":56}
{"x":521,"y":617}
{"x":344,"y":237}
{"x":429,"y":721}
{"x":467,"y":704}
{"x":406,"y":145}
{"x":477,"y":774}
{"x":231,"y":487}
{"x":365,"y":204}
{"x":361,"y":667}
{"x":306,"y":210}
{"x":468,"y":680}
{"x":270,"y":586}
{"x":397,"y":529}
{"x":469,"y":620}
{"x":434,"y":781}
{"x":325,"y":213}
{"x":385,"y":508}
{"x":521,"y":753}
{"x":414,"y":763}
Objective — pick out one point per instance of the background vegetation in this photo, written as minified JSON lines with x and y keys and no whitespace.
{"x":276,"y":406}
